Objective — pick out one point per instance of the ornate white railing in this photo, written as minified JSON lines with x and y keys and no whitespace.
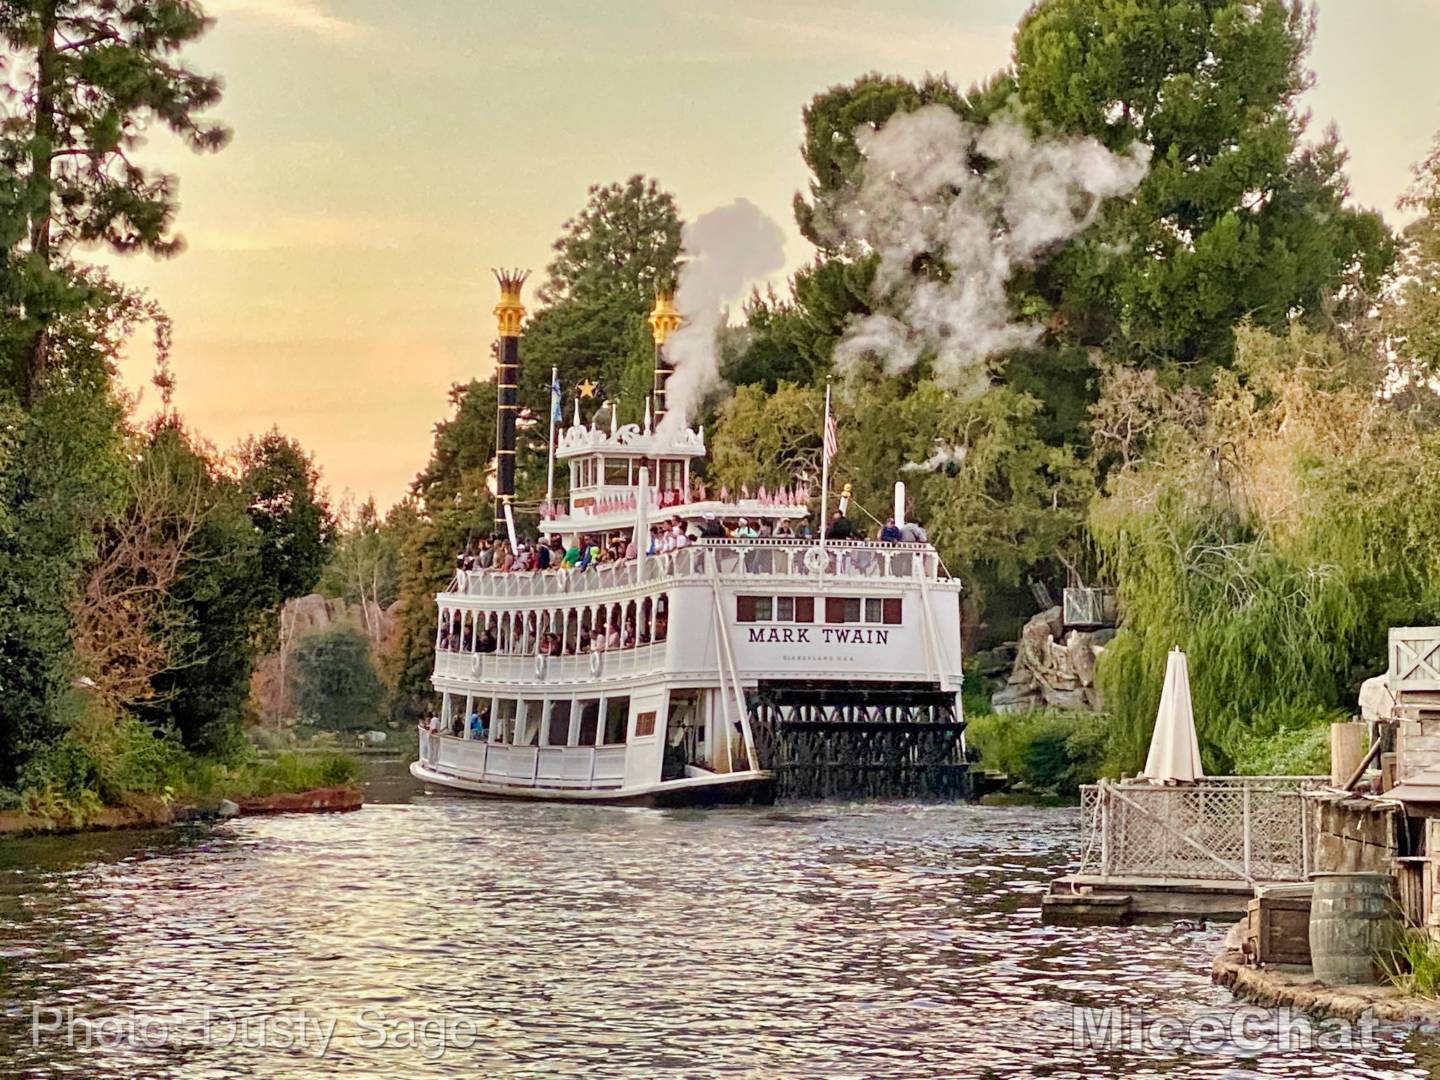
{"x":804,"y":559}
{"x":1229,"y":828}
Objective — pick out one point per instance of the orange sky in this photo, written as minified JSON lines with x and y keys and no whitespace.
{"x":387,"y":155}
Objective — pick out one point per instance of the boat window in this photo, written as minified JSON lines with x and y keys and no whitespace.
{"x":529,"y":724}
{"x":617,"y":472}
{"x":873,"y":610}
{"x":785,"y":608}
{"x":842,"y":609}
{"x":745,"y":608}
{"x":617,"y":716}
{"x":645,"y":724}
{"x":764,"y":609}
{"x":502,"y":725}
{"x":892,"y":611}
{"x":557,"y":729}
{"x":589,"y":721}
{"x":672,"y":475}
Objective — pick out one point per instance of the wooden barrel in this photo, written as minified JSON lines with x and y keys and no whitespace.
{"x":1353,"y":927}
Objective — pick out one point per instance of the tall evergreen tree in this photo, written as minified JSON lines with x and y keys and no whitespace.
{"x":86,"y":79}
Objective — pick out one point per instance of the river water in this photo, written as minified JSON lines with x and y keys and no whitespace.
{"x":445,"y":936}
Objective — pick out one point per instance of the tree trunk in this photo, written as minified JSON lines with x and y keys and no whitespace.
{"x":42,"y":161}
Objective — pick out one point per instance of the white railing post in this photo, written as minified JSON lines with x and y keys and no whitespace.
{"x":1245,"y":825}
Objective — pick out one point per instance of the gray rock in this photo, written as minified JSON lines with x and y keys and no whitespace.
{"x":227,"y":809}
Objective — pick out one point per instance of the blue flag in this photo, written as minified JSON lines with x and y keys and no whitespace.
{"x":555,"y":398}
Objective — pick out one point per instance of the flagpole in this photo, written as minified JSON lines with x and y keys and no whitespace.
{"x":550,"y":467}
{"x":824,"y":479}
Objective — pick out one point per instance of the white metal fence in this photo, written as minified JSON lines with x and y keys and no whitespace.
{"x":1226,"y":828}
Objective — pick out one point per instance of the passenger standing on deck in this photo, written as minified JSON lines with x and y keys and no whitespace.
{"x":839,"y":528}
{"x":890,"y":532}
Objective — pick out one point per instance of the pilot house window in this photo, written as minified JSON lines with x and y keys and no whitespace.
{"x":850,"y":609}
{"x":799,"y":609}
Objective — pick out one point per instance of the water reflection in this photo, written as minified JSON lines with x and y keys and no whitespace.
{"x":829,"y":941}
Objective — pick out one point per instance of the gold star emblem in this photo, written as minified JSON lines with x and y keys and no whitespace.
{"x":587,"y":389}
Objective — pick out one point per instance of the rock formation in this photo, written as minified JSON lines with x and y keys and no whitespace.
{"x":1053,"y":669}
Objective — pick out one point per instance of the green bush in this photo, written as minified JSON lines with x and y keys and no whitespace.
{"x":333,"y":681}
{"x":293,"y":772}
{"x":1298,"y":744}
{"x":1414,"y":964}
{"x":1045,"y":750}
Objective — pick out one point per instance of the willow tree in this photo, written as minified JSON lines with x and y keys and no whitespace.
{"x":1276,"y":539}
{"x":86,"y":80}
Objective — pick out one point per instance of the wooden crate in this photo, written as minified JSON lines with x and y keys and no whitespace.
{"x":1278,"y":930}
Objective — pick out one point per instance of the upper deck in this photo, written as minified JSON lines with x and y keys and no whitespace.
{"x":799,"y":564}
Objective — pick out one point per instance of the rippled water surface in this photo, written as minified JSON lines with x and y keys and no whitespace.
{"x":814,"y":941}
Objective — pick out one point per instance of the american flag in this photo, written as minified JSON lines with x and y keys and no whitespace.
{"x":832,"y":440}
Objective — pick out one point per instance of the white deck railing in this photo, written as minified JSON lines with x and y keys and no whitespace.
{"x":530,"y":668}
{"x":1224,"y":828}
{"x":525,"y":766}
{"x":845,"y":559}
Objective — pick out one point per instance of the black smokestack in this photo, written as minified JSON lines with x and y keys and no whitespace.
{"x":508,"y":314}
{"x":664,"y":321}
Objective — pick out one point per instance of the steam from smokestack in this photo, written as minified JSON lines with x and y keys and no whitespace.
{"x":920,"y":194}
{"x":726,"y":251}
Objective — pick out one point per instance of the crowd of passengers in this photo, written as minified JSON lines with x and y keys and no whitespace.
{"x":589,"y":552}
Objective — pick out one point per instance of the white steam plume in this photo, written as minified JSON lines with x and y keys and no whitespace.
{"x":921,"y":194}
{"x":726,"y":251}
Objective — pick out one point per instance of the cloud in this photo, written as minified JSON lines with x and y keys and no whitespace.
{"x":307,"y":15}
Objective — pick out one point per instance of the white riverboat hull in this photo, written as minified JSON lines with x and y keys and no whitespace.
{"x":751,"y":786}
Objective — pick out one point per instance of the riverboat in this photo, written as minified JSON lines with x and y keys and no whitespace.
{"x":700,"y":673}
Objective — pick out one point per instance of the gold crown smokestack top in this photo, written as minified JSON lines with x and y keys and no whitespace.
{"x":664,"y":321}
{"x":508,"y":315}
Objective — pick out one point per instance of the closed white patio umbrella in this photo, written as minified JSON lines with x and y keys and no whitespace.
{"x":1174,"y":748}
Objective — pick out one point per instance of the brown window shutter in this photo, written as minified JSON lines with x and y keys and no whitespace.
{"x":892,"y":611}
{"x":745,"y":609}
{"x":804,"y":609}
{"x":834,"y":609}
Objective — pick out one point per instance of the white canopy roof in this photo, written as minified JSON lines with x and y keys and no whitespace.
{"x":1174,"y":748}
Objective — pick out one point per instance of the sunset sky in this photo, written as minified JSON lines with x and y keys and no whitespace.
{"x":387,"y":155}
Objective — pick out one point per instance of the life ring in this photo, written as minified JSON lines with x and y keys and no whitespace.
{"x":596,"y":661}
{"x":815,"y":560}
{"x":539,"y":665}
{"x":475,"y":664}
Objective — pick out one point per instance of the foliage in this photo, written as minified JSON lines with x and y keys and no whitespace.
{"x":622,"y":245}
{"x":263,"y":538}
{"x":61,"y":474}
{"x":1238,"y":218}
{"x":767,"y":439}
{"x":290,"y":771}
{"x":1300,"y":750}
{"x":292,"y":517}
{"x":1275,"y":545}
{"x":1414,"y":964}
{"x":333,"y":683}
{"x":1413,"y":315}
{"x":1045,"y":750}
{"x":599,"y":288}
{"x":86,"y":80}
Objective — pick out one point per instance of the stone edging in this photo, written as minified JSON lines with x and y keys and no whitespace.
{"x":1300,"y":990}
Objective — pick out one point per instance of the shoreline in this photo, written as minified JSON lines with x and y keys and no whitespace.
{"x":151,"y":812}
